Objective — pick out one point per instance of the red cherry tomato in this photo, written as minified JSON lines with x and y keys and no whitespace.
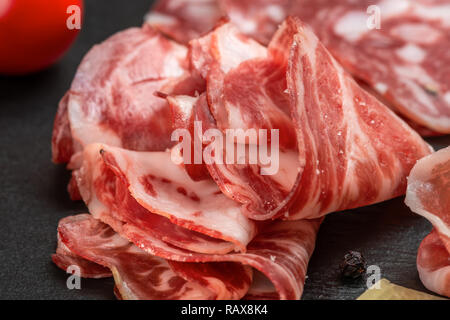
{"x":35,"y":33}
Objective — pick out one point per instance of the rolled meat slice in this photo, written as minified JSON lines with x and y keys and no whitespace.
{"x":428,"y":194}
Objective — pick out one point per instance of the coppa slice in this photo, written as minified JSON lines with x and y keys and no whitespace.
{"x":137,"y":274}
{"x":187,"y":19}
{"x":246,"y":93}
{"x":64,"y":259}
{"x":242,"y":182}
{"x":353,"y":150}
{"x":428,"y":194}
{"x":261,"y":195}
{"x":281,"y":252}
{"x":245,"y":82}
{"x":405,"y":59}
{"x":112,"y":99}
{"x":147,"y":190}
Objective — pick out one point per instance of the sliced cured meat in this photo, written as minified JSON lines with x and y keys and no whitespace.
{"x":224,"y":46}
{"x":246,"y":90}
{"x":261,"y":288}
{"x":281,"y":252}
{"x":257,"y":18}
{"x":244,"y":182}
{"x":428,"y":191}
{"x":62,"y":142}
{"x":184,"y":20}
{"x":147,"y":190}
{"x":428,"y":194}
{"x":354,"y":151}
{"x":112,"y":99}
{"x":433,"y":264}
{"x":252,"y":96}
{"x":229,"y":280}
{"x":422,"y":130}
{"x":261,"y":195}
{"x":66,"y":259}
{"x":184,"y":118}
{"x":406,"y":60}
{"x":86,"y":268}
{"x":137,"y":274}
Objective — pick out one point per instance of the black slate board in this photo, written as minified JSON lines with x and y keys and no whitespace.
{"x":33,"y":191}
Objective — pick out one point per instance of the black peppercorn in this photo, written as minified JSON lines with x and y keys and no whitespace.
{"x":353,"y":266}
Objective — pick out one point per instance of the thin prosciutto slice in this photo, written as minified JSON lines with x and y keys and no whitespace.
{"x":147,"y":190}
{"x":280,"y":252}
{"x":111,"y":99}
{"x":137,"y":274}
{"x":428,"y":194}
{"x":354,"y":151}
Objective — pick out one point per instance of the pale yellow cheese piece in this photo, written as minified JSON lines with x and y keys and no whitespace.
{"x":390,"y":291}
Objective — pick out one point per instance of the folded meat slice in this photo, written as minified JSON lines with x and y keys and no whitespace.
{"x":260,"y":194}
{"x":280,"y":252}
{"x":111,"y":99}
{"x":184,"y":119}
{"x":149,"y":191}
{"x":184,"y":20}
{"x":404,"y":59}
{"x":257,"y":18}
{"x":228,"y":280}
{"x":354,"y":151}
{"x":433,"y":264}
{"x":428,"y":194}
{"x":246,"y":94}
{"x":224,"y":46}
{"x":242,"y":182}
{"x":137,"y":275}
{"x":62,"y":142}
{"x":252,"y":96}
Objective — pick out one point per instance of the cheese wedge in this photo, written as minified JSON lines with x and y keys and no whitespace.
{"x":389,"y":291}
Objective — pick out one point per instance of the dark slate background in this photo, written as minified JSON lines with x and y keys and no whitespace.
{"x":33,"y":191}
